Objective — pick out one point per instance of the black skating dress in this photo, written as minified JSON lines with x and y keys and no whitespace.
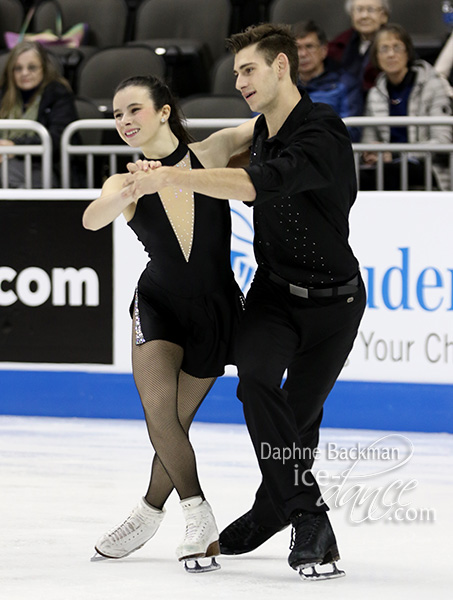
{"x":187,"y":294}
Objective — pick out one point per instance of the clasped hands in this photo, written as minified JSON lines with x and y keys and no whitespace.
{"x":143,"y":179}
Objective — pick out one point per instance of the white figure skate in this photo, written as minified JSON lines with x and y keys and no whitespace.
{"x":132,"y":534}
{"x":201,"y":539}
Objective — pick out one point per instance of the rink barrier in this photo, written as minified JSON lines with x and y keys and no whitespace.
{"x":351,"y":404}
{"x":428,"y":149}
{"x":44,"y":150}
{"x":113,"y":151}
{"x":370,"y":396}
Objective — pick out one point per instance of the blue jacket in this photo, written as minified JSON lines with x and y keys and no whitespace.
{"x":339,"y":90}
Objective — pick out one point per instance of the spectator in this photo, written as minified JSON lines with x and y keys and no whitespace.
{"x":351,"y":48}
{"x":406,"y":87}
{"x":323,"y":84}
{"x":31,"y":88}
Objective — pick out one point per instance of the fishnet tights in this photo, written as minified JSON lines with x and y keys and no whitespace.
{"x":170,"y":400}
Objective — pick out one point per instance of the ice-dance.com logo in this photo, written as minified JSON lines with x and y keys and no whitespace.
{"x":369,"y":486}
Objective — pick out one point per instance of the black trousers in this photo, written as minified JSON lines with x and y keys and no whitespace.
{"x":311,"y":338}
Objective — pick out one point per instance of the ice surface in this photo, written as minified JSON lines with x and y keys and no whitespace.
{"x":63,"y":482}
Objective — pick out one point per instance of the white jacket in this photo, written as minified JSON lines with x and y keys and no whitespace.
{"x":430,"y":96}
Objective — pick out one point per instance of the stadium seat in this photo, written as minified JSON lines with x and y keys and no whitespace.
{"x":213,"y":107}
{"x":106,"y":20}
{"x":422,"y":19}
{"x":100,"y":73}
{"x":189,"y":35}
{"x":330,"y":15}
{"x":223,"y":79}
{"x":11,"y":18}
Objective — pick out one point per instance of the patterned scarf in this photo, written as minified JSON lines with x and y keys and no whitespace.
{"x":22,"y":111}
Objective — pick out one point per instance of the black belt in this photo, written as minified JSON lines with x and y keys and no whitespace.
{"x":350,"y":287}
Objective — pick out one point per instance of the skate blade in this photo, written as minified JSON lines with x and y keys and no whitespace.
{"x":212,"y":550}
{"x":315,"y":575}
{"x":98,"y":557}
{"x":197,"y":568}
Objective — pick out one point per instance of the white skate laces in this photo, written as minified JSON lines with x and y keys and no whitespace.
{"x":132,"y":534}
{"x":201,"y":539}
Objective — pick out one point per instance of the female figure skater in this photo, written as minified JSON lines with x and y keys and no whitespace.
{"x":185,"y":311}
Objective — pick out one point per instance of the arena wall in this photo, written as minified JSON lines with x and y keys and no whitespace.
{"x":65,"y":330}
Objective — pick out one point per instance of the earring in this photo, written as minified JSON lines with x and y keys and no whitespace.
{"x":162,"y":120}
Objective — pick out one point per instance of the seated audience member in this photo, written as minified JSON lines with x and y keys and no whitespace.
{"x":323,"y":84}
{"x":31,"y":88}
{"x":351,"y":48}
{"x":406,"y":87}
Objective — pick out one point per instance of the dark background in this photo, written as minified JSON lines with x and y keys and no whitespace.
{"x":49,"y":234}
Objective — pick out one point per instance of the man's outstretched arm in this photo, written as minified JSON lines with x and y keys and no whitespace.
{"x":225,"y":183}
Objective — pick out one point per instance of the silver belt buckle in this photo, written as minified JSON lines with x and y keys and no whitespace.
{"x":298,"y":291}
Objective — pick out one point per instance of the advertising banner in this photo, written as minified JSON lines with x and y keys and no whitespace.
{"x":404,"y":244}
{"x":56,"y":290}
{"x":65,"y":328}
{"x":405,"y":247}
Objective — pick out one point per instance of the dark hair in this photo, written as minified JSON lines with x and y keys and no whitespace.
{"x":402,"y":35}
{"x":160,"y":94}
{"x":304,"y":28}
{"x":270,"y":40}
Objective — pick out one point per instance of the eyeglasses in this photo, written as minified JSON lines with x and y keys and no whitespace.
{"x":397,"y":49}
{"x":310,"y":48}
{"x":371,"y":10}
{"x":31,"y":68}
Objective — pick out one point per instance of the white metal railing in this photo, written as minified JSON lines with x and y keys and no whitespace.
{"x":90,"y":151}
{"x":427,"y":149}
{"x":44,"y":150}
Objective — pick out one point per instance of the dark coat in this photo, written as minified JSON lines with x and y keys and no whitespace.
{"x":344,"y":50}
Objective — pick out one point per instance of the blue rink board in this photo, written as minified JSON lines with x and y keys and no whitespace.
{"x":357,"y":405}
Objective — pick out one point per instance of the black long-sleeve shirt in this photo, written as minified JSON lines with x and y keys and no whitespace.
{"x":305,"y":184}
